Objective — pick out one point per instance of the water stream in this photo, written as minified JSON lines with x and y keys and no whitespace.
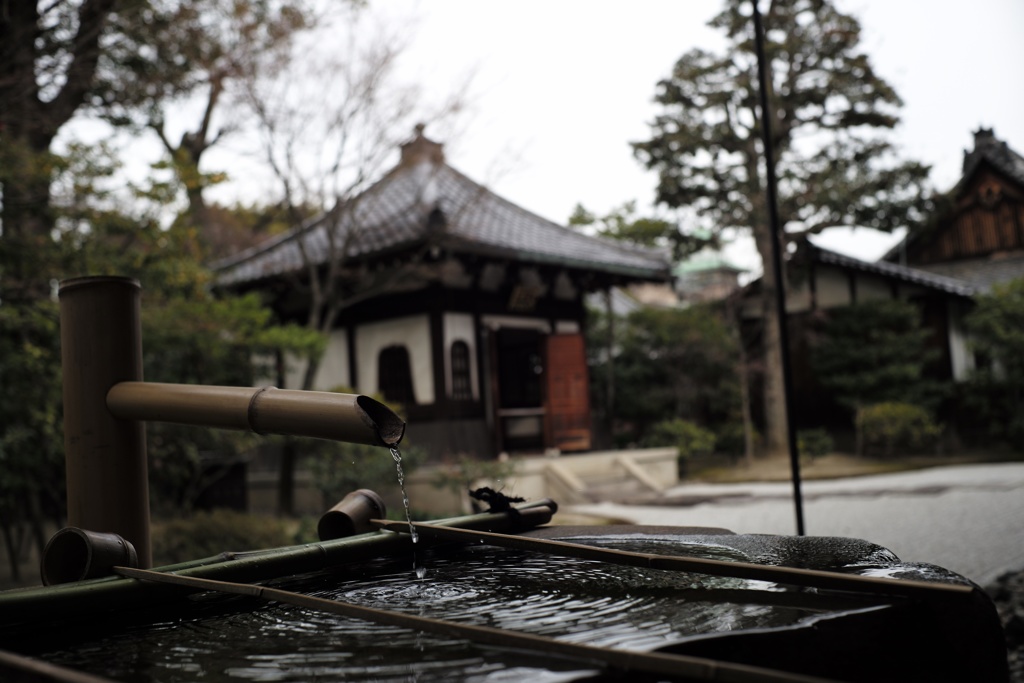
{"x":397,"y":456}
{"x":420,"y":569}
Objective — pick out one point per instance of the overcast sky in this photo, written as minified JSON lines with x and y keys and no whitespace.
{"x":562,"y":86}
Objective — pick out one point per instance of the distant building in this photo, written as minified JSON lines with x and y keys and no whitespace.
{"x":706,"y":276}
{"x":820,"y":280}
{"x":975,"y":240}
{"x":979,"y":235}
{"x":481,"y":339}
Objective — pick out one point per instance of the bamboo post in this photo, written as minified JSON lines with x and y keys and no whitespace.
{"x":101,"y":345}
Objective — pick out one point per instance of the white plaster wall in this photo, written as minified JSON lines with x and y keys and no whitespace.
{"x":294,"y":371}
{"x":265,"y":363}
{"x":333,"y":370}
{"x":833,"y":288}
{"x":413,"y":333}
{"x":459,"y":327}
{"x":960,"y":352}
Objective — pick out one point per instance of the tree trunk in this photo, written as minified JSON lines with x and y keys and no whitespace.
{"x":28,"y":125}
{"x":12,"y":550}
{"x":198,"y":212}
{"x":776,"y":440}
{"x":27,"y":220}
{"x":309,"y":376}
{"x":858,"y":431}
{"x":610,"y":369}
{"x":741,"y":371}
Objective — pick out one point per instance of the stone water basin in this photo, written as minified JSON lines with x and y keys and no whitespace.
{"x":780,"y":630}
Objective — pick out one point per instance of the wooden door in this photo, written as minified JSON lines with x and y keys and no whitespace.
{"x":567,"y":393}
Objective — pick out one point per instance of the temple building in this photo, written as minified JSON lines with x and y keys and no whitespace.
{"x":460,"y":306}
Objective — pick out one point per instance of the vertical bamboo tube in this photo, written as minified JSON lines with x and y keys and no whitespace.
{"x":101,"y":345}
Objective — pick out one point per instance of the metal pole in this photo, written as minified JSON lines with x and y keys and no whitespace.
{"x":101,"y":345}
{"x":780,"y":280}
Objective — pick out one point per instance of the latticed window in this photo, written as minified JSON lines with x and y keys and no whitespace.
{"x":394,"y":375}
{"x":462,"y":389}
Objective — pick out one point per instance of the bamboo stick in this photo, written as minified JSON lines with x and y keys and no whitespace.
{"x":742,"y":570}
{"x":685,"y":666}
{"x":17,"y":667}
{"x":264,"y":410}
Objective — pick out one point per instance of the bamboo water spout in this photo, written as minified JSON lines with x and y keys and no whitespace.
{"x":264,"y":410}
{"x":106,"y":405}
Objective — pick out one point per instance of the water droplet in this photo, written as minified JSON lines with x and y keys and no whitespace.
{"x":421,"y":572}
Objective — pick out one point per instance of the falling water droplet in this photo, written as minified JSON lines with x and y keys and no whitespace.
{"x":397,"y":456}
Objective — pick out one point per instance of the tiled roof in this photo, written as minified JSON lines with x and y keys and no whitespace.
{"x":987,"y":147}
{"x":915,"y":276}
{"x":395,"y":213}
{"x":981,"y":273}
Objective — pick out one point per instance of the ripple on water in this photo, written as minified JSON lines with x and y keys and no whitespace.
{"x":576,"y":600}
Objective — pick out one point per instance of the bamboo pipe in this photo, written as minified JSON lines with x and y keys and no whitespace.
{"x":101,"y":345}
{"x":263,"y":410}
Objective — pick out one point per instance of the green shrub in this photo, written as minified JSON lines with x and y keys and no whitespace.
{"x":885,"y":428}
{"x":814,"y":443}
{"x":689,"y":437}
{"x":463,"y":474}
{"x":340,"y":468}
{"x":210,"y":533}
{"x":731,"y":439}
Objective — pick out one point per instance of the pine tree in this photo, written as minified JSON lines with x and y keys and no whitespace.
{"x":829,"y":110}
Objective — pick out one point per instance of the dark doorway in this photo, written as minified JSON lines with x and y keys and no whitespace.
{"x":520,"y":388}
{"x":520,"y":368}
{"x":394,"y":375}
